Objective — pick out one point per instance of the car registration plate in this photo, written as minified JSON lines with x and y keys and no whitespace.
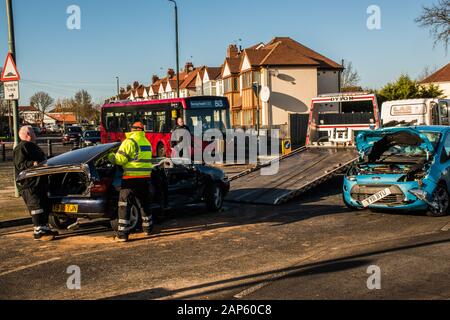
{"x":65,"y":208}
{"x":376,"y":197}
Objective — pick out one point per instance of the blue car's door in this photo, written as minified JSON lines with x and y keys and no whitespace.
{"x":441,"y":168}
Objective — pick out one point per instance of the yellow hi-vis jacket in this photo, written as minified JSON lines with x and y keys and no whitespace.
{"x":135,"y":155}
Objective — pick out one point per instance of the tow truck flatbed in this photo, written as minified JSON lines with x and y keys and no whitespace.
{"x":298,"y":173}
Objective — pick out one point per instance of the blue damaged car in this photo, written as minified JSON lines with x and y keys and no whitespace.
{"x":402,"y":169}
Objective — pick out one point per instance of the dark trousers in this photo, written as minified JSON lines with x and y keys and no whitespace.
{"x":37,"y":203}
{"x":135,"y":192}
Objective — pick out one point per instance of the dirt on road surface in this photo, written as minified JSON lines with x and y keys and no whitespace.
{"x":244,"y":252}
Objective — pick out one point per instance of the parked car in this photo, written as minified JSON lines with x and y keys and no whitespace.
{"x":402,"y":169}
{"x":84,"y":184}
{"x":72,"y":134}
{"x":37,"y":131}
{"x":90,"y":138}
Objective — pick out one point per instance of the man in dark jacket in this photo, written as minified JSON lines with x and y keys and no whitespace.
{"x":34,"y":190}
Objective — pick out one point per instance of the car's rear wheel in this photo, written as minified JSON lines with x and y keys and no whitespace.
{"x":135,"y":220}
{"x":60,"y":222}
{"x":441,"y":197}
{"x":214,"y":197}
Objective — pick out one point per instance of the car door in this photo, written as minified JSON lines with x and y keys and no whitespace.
{"x":444,"y":164}
{"x":182,"y":183}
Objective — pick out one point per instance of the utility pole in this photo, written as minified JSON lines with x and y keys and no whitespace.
{"x":12,"y":50}
{"x":257,"y":91}
{"x":118,"y":89}
{"x":177,"y":47}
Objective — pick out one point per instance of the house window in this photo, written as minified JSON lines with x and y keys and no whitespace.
{"x":228,"y":85}
{"x":257,"y":77}
{"x":246,"y":80}
{"x":237,"y":117}
{"x":248,"y":118}
{"x":207,"y":88}
{"x":199,"y":90}
{"x":236,"y":84}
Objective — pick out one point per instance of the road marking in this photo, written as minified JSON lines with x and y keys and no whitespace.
{"x":29,"y":266}
{"x":446,"y":227}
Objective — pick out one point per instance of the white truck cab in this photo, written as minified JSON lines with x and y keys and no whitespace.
{"x":415,"y":112}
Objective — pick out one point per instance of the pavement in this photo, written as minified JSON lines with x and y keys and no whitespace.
{"x":13,"y":210}
{"x":310,"y":248}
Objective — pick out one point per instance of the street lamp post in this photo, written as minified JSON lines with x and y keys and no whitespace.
{"x":118,"y":89}
{"x":177,"y":47}
{"x":257,"y":90}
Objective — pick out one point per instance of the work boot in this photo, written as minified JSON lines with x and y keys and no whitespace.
{"x":121,"y":237}
{"x":148,"y":231}
{"x":147,"y":225}
{"x":45,"y":235}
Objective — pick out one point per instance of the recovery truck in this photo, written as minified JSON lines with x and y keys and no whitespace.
{"x":334,"y":122}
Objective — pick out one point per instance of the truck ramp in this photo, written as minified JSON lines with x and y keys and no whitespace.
{"x":298,"y":172}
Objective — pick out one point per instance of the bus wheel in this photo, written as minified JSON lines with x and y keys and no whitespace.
{"x":161,"y":151}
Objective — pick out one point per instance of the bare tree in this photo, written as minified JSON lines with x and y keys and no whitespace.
{"x":437,"y":18}
{"x":426,"y":72}
{"x":42,"y":101}
{"x":349,"y":77}
{"x":83,"y":105}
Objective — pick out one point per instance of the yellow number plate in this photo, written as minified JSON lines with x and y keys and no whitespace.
{"x":65,"y":208}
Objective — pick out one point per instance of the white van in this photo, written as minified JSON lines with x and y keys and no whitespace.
{"x":415,"y":112}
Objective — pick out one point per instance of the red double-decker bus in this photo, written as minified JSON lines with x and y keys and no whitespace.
{"x":159,"y":118}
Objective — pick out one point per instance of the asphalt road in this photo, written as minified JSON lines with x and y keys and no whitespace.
{"x":311,"y":248}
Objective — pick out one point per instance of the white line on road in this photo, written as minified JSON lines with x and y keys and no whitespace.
{"x":29,"y":266}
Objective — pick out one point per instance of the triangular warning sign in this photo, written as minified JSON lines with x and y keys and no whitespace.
{"x":9,"y":72}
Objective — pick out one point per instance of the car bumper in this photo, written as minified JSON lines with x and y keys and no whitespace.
{"x":86,"y":207}
{"x":410,"y":202}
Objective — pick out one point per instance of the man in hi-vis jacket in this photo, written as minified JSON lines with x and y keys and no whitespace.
{"x":134,"y":155}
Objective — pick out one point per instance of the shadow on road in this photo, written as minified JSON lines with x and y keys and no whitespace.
{"x":239,"y":283}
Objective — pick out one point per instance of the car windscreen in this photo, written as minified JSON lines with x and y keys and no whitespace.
{"x":74,"y":130}
{"x":207,"y":118}
{"x":413,"y":151}
{"x":433,"y":137}
{"x":80,"y":156}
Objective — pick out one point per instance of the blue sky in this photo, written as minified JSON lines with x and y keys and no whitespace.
{"x":135,"y":39}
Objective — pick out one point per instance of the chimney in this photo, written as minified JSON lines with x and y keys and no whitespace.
{"x":232,"y":51}
{"x":170,"y":73}
{"x":189,"y":67}
{"x":155,"y":78}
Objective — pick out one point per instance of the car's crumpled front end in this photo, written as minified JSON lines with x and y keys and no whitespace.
{"x":394,"y":171}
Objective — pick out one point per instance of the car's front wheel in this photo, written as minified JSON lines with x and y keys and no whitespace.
{"x":441,"y":198}
{"x":214,"y":197}
{"x":61,"y":223}
{"x":135,"y":220}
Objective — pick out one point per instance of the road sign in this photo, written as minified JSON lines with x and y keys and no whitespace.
{"x":265,"y":94}
{"x":11,"y":90}
{"x":10,"y":72}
